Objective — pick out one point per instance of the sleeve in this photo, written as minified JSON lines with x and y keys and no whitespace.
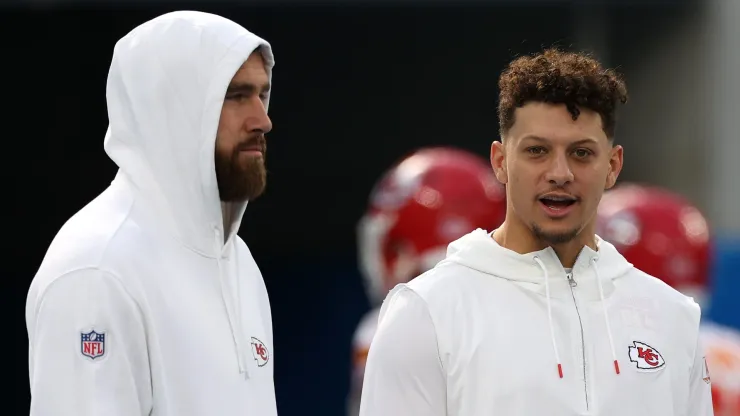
{"x":404,"y":374}
{"x":700,"y":388}
{"x":361,"y":341}
{"x":87,"y":348}
{"x":359,"y":357}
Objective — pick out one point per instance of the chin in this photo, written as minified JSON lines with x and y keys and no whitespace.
{"x":555,"y":234}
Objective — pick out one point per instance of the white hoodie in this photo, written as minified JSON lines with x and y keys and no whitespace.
{"x":488,"y":332}
{"x":180,"y":313}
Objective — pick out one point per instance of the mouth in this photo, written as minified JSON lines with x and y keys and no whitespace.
{"x":557,"y":205}
{"x":255,"y":147}
{"x":251,"y":149}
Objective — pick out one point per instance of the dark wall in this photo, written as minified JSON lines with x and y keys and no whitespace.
{"x":354,"y":89}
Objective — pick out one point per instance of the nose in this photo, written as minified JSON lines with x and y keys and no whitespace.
{"x":257,"y":119}
{"x":559,"y":172}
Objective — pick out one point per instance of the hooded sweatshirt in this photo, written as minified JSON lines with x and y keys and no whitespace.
{"x":489,"y":331}
{"x":147,"y":302}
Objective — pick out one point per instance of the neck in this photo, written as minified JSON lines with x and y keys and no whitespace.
{"x":517,"y":237}
{"x":226,"y":212}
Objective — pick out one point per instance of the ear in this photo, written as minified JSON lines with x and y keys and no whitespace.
{"x":498,"y":161}
{"x":616,"y":156}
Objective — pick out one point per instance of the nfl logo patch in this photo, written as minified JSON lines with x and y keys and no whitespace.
{"x":92,"y":344}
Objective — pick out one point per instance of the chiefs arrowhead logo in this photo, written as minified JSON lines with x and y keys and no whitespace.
{"x":260,"y":352}
{"x":646,"y":357}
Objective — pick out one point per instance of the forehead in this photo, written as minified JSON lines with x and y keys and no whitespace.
{"x":554,"y":122}
{"x":252,"y":70}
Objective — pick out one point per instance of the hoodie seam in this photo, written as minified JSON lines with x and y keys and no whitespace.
{"x":696,"y":341}
{"x":103,"y":272}
{"x":136,"y":194}
{"x":125,"y":219}
{"x":514,"y":281}
{"x":101,"y":259}
{"x":434,"y":326}
{"x":106,"y":275}
{"x":168,"y":233}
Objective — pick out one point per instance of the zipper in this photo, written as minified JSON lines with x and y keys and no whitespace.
{"x":572,"y":282}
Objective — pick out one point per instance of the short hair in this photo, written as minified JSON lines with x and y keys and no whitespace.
{"x":557,"y":77}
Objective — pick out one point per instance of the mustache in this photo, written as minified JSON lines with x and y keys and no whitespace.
{"x":559,"y":192}
{"x":257,"y":142}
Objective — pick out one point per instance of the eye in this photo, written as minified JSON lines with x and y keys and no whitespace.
{"x":236,"y":96}
{"x":264,"y":96}
{"x":582,"y":153}
{"x":535,"y":150}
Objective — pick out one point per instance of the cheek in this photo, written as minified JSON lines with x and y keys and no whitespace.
{"x":522,"y":179}
{"x":226,"y":136}
{"x":602,"y":178}
{"x":519,"y":188}
{"x":596,"y":182}
{"x":230,"y":121}
{"x":591,"y":175}
{"x":225,"y":145}
{"x":222,"y":145}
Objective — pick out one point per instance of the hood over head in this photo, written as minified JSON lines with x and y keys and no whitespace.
{"x":165,"y":90}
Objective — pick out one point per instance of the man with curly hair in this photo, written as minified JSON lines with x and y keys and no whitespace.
{"x":541,"y":316}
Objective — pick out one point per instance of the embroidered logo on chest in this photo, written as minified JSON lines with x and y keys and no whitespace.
{"x":645,"y":357}
{"x":260,"y":352}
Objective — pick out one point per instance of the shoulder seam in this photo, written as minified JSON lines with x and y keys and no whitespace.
{"x":434,"y":325}
{"x":65,"y":276}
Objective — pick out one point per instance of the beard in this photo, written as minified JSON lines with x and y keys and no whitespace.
{"x":554,"y":238}
{"x":237,"y":181}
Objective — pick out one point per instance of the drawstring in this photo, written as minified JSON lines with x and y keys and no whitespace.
{"x":549,"y":315}
{"x":606,"y":316}
{"x":234,"y":321}
{"x":552,"y":327}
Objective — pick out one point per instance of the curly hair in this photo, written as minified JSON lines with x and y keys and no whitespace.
{"x":553,"y":76}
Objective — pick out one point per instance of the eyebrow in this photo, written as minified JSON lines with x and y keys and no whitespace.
{"x":246,"y":88}
{"x":544,"y":140}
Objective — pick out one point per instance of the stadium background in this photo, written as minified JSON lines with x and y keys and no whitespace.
{"x":357,"y":85}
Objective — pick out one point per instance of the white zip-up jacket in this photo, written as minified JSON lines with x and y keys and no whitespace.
{"x":145,"y":303}
{"x":492,"y":332}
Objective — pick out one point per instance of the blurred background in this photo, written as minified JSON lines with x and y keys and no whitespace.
{"x":357,"y":85}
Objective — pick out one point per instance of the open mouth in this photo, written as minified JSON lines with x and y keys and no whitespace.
{"x":557,"y":203}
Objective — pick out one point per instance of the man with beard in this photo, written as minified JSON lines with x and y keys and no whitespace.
{"x":147,"y":301}
{"x":541,"y":316}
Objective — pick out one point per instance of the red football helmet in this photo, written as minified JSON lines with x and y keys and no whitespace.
{"x":423,"y":203}
{"x":660,"y":233}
